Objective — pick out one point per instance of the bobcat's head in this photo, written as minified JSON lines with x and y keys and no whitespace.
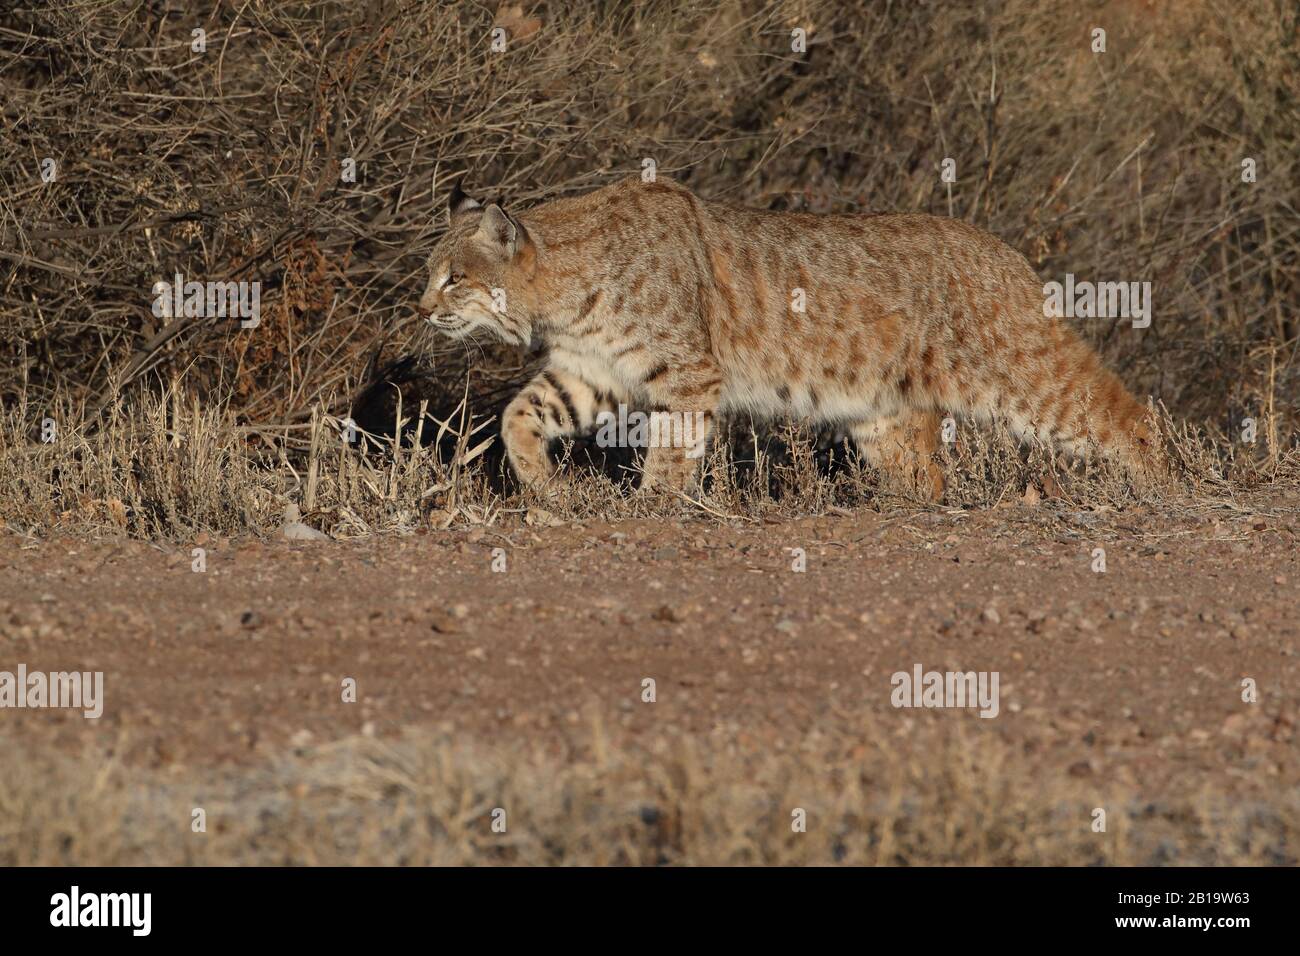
{"x":478,"y":273}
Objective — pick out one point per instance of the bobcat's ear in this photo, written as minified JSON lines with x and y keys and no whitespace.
{"x":458,"y":204}
{"x":503,"y":232}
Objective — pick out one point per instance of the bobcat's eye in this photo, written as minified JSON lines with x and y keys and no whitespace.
{"x":452,"y":279}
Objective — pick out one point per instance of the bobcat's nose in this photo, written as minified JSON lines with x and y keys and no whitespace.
{"x":426,"y":305}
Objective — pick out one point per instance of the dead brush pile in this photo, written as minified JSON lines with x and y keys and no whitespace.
{"x":145,"y":140}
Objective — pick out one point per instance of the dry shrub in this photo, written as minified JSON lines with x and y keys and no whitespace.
{"x":226,"y":164}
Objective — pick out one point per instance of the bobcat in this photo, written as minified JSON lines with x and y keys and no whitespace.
{"x":645,"y":293}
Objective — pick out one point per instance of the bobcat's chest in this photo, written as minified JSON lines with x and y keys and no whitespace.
{"x":599,"y":365}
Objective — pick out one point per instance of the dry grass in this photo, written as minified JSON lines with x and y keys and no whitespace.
{"x":952,"y":797}
{"x":167,"y":467}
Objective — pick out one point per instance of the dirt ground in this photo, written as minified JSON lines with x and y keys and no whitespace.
{"x":1131,"y":673}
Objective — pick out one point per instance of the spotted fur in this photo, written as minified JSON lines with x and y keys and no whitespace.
{"x":645,"y":293}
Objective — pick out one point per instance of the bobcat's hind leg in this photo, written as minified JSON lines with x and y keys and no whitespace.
{"x":555,"y":404}
{"x":903,"y":447}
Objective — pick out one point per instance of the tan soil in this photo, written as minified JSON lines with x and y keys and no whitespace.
{"x":1134,"y":673}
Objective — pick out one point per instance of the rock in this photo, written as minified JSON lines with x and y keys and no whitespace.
{"x":444,"y":623}
{"x":541,"y":518}
{"x":294,"y":530}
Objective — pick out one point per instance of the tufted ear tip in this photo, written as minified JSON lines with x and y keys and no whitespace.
{"x":458,"y":203}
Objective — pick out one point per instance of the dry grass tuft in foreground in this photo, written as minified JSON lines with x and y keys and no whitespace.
{"x":957,"y":797}
{"x":167,"y":467}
